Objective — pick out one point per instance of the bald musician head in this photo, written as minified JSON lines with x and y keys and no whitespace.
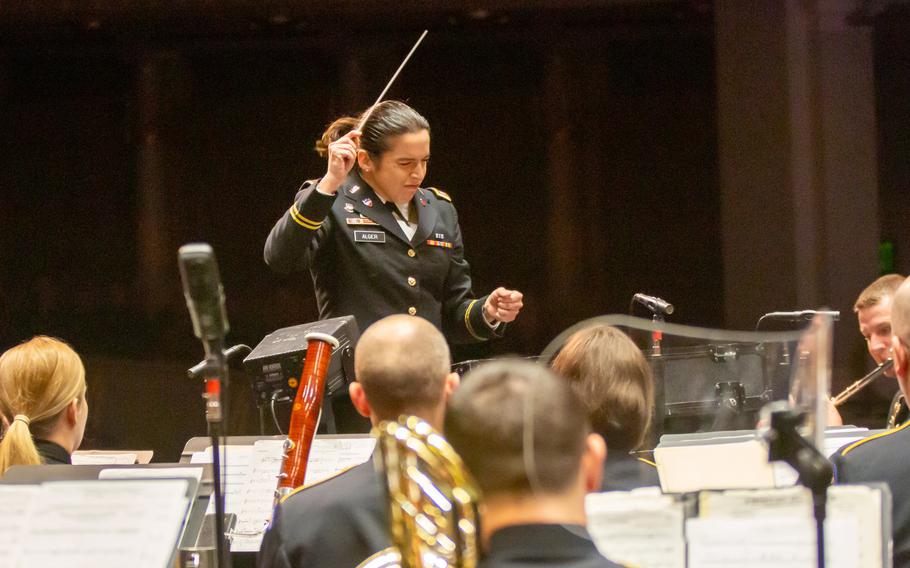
{"x":402,"y":366}
{"x":524,"y":435}
{"x":900,"y":339}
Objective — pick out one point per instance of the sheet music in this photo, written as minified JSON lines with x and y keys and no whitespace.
{"x":865,"y":505}
{"x":731,"y":460}
{"x":151,"y":473}
{"x":720,"y":466}
{"x":638,"y":528}
{"x":235,"y":465}
{"x":257,"y":497}
{"x":252,"y":477}
{"x":856,"y":504}
{"x":104,"y":459}
{"x":17,"y":504}
{"x":769,"y":542}
{"x":328,"y":456}
{"x":104,"y":523}
{"x":786,"y":502}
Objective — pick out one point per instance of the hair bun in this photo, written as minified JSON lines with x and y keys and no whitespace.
{"x":334,"y":131}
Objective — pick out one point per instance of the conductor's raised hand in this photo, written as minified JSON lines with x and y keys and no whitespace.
{"x":503,"y":305}
{"x":342,"y":155}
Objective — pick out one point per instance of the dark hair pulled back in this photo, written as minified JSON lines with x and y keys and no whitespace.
{"x":388,"y":120}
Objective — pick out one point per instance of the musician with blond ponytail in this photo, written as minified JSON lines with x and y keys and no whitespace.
{"x":42,"y":403}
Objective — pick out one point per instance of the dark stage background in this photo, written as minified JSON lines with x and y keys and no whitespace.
{"x":579,"y":144}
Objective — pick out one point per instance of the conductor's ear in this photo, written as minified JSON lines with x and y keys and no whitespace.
{"x":364,"y":160}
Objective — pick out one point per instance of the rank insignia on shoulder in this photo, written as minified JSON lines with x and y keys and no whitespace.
{"x":441,"y":194}
{"x":349,"y":207}
{"x":360,"y":221}
{"x":442,"y":244}
{"x":367,"y":201}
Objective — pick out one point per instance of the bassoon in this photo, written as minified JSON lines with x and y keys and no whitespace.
{"x":305,"y":412}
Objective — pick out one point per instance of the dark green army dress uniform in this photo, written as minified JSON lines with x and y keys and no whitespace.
{"x":363,"y":265}
{"x":883,"y":457}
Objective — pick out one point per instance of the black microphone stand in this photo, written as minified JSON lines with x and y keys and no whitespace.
{"x":656,"y":335}
{"x":815,"y":471}
{"x":657,"y":368}
{"x":230,"y":356}
{"x":215,"y":374}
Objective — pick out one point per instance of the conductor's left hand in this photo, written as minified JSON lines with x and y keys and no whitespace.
{"x":503,"y":305}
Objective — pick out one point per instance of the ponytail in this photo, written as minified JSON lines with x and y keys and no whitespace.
{"x":38,"y":380}
{"x":388,"y":120}
{"x":17,"y":446}
{"x":334,"y":131}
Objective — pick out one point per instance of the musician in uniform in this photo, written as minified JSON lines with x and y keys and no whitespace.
{"x":375,"y":242}
{"x":873,"y":312}
{"x":402,"y":365}
{"x":524,"y":435}
{"x":610,"y":375}
{"x":42,"y":403}
{"x":885,"y":457}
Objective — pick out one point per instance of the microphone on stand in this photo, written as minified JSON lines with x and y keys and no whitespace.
{"x":204,"y":295}
{"x":657,"y":305}
{"x":205,"y":300}
{"x":659,"y":308}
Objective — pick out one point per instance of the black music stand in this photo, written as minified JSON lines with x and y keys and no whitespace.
{"x":275,"y":365}
{"x":197,"y":493}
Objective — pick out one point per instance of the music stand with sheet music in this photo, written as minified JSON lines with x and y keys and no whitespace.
{"x":262,"y":475}
{"x":196,"y":492}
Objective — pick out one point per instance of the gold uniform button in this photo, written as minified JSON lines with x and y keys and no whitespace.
{"x":412,"y":253}
{"x":412,"y":281}
{"x":412,"y":310}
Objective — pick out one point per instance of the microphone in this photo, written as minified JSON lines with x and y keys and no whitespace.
{"x":653,"y":303}
{"x":803,"y":315}
{"x":204,"y":295}
{"x":205,"y":301}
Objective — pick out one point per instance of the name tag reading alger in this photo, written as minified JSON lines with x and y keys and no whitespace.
{"x":369,"y":237}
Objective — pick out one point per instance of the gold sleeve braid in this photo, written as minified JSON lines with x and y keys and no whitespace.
{"x":303,"y":221}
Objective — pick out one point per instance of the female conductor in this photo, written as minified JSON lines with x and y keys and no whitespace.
{"x":375,"y":242}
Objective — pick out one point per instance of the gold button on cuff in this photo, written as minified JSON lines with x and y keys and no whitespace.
{"x":412,"y":253}
{"x":412,"y":310}
{"x":412,"y":281}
